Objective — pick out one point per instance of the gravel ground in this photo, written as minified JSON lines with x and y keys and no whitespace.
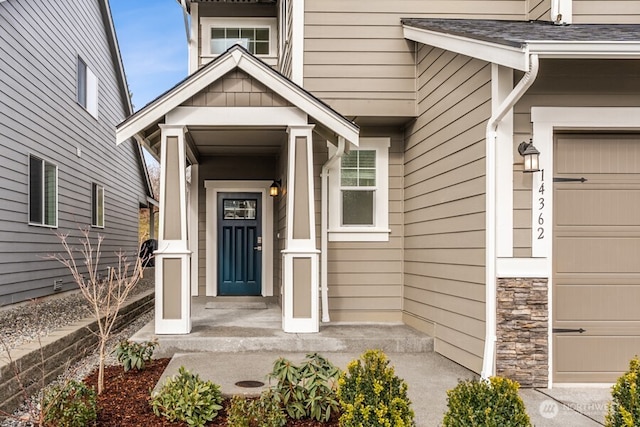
{"x":23,"y":324}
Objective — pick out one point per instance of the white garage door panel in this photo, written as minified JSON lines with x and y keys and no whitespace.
{"x":582,"y":205}
{"x":580,"y":358}
{"x":597,"y":255}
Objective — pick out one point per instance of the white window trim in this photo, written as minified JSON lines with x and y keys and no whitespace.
{"x":94,"y":205}
{"x":91,"y":89}
{"x":42,"y":224}
{"x":209,"y":23}
{"x":378,"y":232}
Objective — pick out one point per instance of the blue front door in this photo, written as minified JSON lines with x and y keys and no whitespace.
{"x":239,"y":244}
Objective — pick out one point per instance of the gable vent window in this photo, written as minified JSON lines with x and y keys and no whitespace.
{"x":87,"y":88}
{"x":43,"y":192}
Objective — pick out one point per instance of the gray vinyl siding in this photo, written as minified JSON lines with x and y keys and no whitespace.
{"x":539,"y":10}
{"x":444,"y":204}
{"x":365,"y":278}
{"x":606,"y":12}
{"x":571,"y":83}
{"x":39,"y":115}
{"x":357,"y":60}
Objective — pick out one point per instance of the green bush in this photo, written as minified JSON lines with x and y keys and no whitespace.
{"x":624,"y":408}
{"x":308,"y":390}
{"x":263,"y":412}
{"x":135,"y":355}
{"x":70,"y":405}
{"x":185,"y":397}
{"x":371,"y":394}
{"x":492,"y":403}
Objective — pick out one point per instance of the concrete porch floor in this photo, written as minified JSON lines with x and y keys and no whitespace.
{"x":239,"y":324}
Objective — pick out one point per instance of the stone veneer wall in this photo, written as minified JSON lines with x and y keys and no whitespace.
{"x":522,"y":348}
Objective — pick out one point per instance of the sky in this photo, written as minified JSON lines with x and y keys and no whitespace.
{"x":153,"y":46}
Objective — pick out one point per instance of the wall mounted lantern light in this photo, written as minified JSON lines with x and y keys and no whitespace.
{"x":274,"y":190}
{"x":531,"y":156}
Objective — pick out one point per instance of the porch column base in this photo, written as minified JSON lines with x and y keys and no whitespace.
{"x":173,"y":293}
{"x":300,"y":297}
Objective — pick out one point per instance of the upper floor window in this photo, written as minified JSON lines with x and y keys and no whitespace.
{"x":87,"y":88}
{"x":43,"y":192}
{"x":359,"y":193}
{"x":257,"y":35}
{"x":97,"y":205}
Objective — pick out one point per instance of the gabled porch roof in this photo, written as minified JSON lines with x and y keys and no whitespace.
{"x":237,"y":58}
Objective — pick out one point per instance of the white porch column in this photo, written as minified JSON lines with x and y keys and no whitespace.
{"x":173,"y":293}
{"x":300,"y":257}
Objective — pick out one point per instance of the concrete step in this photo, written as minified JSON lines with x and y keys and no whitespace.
{"x":233,"y":327}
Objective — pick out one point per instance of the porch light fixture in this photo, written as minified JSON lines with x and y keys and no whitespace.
{"x":531,"y":156}
{"x":274,"y":190}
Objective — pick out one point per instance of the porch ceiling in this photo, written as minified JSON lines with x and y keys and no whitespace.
{"x":215,"y":141}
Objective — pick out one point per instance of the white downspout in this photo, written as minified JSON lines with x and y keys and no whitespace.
{"x":490,"y":275}
{"x":324,"y":219}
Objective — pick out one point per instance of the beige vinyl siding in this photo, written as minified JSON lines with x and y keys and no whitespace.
{"x":39,"y":115}
{"x":606,"y":12}
{"x":357,"y":60}
{"x":572,"y":83}
{"x":365,"y":278}
{"x":444,"y":191}
{"x":539,"y":10}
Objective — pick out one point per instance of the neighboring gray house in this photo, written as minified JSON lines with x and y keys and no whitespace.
{"x":392,"y":129}
{"x":62,"y":91}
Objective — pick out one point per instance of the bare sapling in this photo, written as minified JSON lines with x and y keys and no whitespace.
{"x":105,"y":293}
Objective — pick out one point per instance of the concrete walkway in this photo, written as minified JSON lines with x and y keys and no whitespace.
{"x":238,"y":341}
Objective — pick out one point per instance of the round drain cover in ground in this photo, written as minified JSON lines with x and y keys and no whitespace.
{"x":249,"y":384}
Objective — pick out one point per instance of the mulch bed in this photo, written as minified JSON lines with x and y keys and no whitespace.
{"x":125,"y":400}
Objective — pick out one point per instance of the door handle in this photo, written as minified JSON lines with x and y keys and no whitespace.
{"x":257,"y":248}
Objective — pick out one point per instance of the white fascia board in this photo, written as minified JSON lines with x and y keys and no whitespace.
{"x":236,"y":116}
{"x":302,"y":100}
{"x":170,"y":101}
{"x":585,"y":49}
{"x":507,"y":56}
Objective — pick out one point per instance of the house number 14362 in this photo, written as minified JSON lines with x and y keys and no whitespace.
{"x":540,"y":207}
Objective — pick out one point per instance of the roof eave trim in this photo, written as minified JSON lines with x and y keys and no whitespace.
{"x":586,"y":49}
{"x":508,"y":56}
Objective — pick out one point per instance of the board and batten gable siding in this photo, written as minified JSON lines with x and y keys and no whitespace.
{"x":357,"y":60}
{"x":39,"y":115}
{"x":444,"y":204}
{"x":606,"y":12}
{"x":365,"y":278}
{"x":565,"y":83}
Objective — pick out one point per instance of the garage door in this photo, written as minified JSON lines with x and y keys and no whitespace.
{"x":596,"y":282}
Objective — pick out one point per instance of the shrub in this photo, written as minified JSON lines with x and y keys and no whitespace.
{"x":308,"y":390}
{"x":263,"y":412}
{"x":185,"y":397}
{"x":135,"y":355}
{"x":72,"y":404}
{"x":492,"y":403}
{"x":624,"y":408}
{"x":371,"y":394}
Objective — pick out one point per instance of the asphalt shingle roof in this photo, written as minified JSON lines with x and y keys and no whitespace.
{"x":518,"y":33}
